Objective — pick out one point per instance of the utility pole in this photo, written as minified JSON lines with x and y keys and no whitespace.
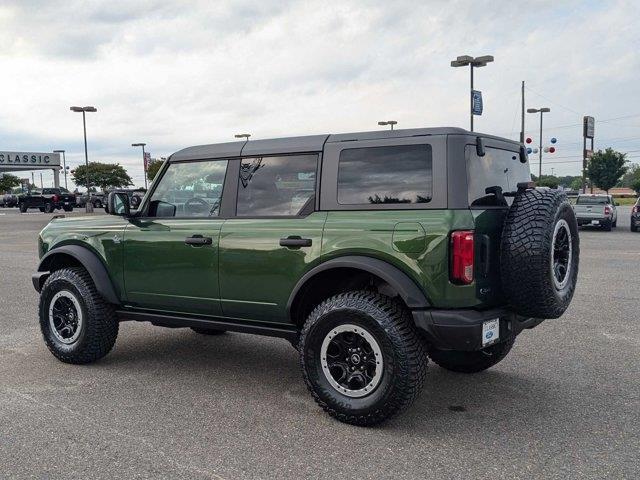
{"x":522,"y":114}
{"x":89,"y":205}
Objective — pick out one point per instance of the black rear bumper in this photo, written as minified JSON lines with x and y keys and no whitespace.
{"x":462,"y":329}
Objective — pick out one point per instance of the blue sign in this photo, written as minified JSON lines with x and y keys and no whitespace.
{"x":476,"y":102}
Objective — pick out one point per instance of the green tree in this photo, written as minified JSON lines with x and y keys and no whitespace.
{"x":632,"y":175}
{"x":636,"y":186}
{"x":7,"y":182}
{"x":104,"y":175}
{"x":606,"y":168}
{"x":576,"y":183}
{"x":550,"y":181}
{"x":153,"y":167}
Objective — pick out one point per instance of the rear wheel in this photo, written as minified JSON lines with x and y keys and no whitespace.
{"x":68,"y":208}
{"x":634,"y":227}
{"x":471,"y":362}
{"x":606,"y":226}
{"x":48,"y":208}
{"x":77,"y":324}
{"x":361,"y":357}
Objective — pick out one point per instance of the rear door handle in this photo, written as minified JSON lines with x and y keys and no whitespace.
{"x":295,"y":241}
{"x":198,"y":240}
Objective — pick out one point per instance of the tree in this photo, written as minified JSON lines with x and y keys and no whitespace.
{"x":606,"y":168}
{"x":7,"y":182}
{"x":104,"y":175}
{"x":152,"y":168}
{"x":576,"y":183}
{"x":632,"y":175}
{"x":548,"y":181}
{"x":636,"y":186}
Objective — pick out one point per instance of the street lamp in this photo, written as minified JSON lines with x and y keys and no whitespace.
{"x":144,"y":162}
{"x":465,"y":60}
{"x":89,"y":205}
{"x":388,"y":122}
{"x":64,"y":166}
{"x":541,"y":111}
{"x":243,"y":135}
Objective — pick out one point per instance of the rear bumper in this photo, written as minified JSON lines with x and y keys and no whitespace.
{"x":588,"y":220}
{"x":462,"y":329}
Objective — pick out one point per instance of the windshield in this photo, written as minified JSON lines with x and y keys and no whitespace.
{"x":501,"y":168}
{"x":592,"y":201}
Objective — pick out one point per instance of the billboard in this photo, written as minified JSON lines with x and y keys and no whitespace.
{"x":28,"y":160}
{"x":589,"y":127}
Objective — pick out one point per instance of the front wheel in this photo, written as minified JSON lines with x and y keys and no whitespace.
{"x":471,"y":362}
{"x":77,"y":324}
{"x":362,"y":358}
{"x":68,"y":208}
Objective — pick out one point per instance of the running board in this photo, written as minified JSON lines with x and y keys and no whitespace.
{"x":288,"y":332}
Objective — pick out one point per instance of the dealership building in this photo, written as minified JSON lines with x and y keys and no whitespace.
{"x":11,"y":162}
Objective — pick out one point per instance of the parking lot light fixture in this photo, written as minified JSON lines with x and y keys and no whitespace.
{"x":83,"y":110}
{"x":144,"y":163}
{"x":388,"y":122}
{"x":243,"y":135}
{"x":463,"y":61}
{"x":540,"y":111}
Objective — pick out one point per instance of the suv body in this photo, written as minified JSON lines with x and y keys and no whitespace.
{"x":635,"y":216}
{"x":596,"y":210}
{"x":258,"y":236}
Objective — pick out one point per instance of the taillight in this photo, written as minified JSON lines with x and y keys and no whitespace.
{"x":635,"y":209}
{"x":56,"y":198}
{"x":462,"y":257}
{"x":607,"y":210}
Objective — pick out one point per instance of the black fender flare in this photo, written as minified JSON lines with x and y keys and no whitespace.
{"x":89,"y":260}
{"x":411,"y":294}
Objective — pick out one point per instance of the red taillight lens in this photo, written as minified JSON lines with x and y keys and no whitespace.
{"x":607,"y":210}
{"x":56,"y":198}
{"x":462,"y":257}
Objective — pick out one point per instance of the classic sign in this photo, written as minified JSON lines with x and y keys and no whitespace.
{"x":29,"y":159}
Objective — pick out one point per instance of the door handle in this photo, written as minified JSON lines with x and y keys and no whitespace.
{"x":295,"y":241}
{"x":198,"y":240}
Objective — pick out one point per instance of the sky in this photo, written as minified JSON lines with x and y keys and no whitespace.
{"x":180,"y":73}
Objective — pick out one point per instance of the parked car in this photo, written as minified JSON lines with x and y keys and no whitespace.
{"x":635,"y":216}
{"x":97,"y":200}
{"x":368,"y":251}
{"x":47,"y":200}
{"x":9,"y":200}
{"x":597,"y":210}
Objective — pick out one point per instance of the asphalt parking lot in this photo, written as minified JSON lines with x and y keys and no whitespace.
{"x":173,"y":404}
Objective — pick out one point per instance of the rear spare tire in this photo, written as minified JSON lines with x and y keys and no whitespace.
{"x":539,"y":253}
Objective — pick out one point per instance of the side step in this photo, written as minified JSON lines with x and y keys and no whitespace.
{"x":288,"y":332}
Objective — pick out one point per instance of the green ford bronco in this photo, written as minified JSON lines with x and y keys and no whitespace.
{"x":370,"y":252}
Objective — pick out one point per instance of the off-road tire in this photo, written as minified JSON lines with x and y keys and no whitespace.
{"x":23,"y":208}
{"x":526,"y":253}
{"x":471,"y":362}
{"x":403,"y":352}
{"x":208,"y":331}
{"x":99,"y":328}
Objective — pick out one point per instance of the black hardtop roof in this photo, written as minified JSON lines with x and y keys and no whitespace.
{"x":309,"y":143}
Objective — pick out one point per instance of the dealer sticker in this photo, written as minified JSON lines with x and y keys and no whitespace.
{"x":490,"y":331}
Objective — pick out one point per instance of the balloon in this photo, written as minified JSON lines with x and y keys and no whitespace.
{"x":529,"y":150}
{"x":546,"y":150}
{"x":554,"y":140}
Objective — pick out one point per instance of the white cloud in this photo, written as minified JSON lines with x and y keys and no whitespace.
{"x":179,"y":73}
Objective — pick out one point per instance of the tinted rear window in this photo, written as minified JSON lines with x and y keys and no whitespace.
{"x":376,"y":175}
{"x":501,"y":168}
{"x":592,"y":201}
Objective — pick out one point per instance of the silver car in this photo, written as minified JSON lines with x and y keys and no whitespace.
{"x":597,"y":210}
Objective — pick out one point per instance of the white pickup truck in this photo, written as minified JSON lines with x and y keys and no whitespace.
{"x":596,"y":210}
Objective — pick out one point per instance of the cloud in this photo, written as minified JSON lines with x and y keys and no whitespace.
{"x":174,"y":74}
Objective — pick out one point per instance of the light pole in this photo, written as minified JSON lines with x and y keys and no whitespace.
{"x":64,"y":166}
{"x":465,"y":60}
{"x":89,"y":205}
{"x":541,"y":111}
{"x":388,"y":122}
{"x":144,"y":162}
{"x":243,"y":135}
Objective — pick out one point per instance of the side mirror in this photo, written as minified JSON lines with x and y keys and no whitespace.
{"x":118,"y":204}
{"x":135,"y":202}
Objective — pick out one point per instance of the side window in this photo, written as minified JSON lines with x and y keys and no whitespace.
{"x":394,"y":174}
{"x":276,"y":185}
{"x":189,"y":189}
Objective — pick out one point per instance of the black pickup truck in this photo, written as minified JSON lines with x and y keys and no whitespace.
{"x":47,"y":200}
